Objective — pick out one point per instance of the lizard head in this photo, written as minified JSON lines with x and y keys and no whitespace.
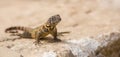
{"x":54,"y":20}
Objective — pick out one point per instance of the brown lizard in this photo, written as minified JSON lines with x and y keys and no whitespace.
{"x":39,"y":32}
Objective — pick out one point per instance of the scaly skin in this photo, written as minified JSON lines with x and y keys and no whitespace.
{"x":40,"y":32}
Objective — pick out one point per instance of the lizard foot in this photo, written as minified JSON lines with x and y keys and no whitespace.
{"x":57,"y":40}
{"x":37,"y":43}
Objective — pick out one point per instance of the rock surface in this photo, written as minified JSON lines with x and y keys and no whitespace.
{"x":93,"y":25}
{"x":5,"y":52}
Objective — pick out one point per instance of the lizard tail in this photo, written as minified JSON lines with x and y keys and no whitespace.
{"x":15,"y":29}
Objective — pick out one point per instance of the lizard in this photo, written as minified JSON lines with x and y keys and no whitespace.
{"x":39,"y":32}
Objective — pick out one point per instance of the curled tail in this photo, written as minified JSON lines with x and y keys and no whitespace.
{"x":15,"y":29}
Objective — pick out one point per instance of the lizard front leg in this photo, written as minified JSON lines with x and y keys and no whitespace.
{"x":36,"y":36}
{"x":54,"y":34}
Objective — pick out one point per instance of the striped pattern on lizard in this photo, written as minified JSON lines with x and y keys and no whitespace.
{"x":39,"y":32}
